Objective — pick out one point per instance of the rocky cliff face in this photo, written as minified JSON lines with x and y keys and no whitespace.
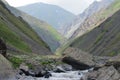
{"x":81,"y":20}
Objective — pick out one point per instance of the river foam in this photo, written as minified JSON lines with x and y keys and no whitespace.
{"x":68,"y":75}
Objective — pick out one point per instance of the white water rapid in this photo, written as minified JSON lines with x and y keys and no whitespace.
{"x":68,"y":75}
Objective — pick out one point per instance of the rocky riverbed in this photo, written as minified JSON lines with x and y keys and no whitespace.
{"x":58,"y":74}
{"x":86,"y":67}
{"x":68,"y":75}
{"x":105,"y":68}
{"x":107,"y":72}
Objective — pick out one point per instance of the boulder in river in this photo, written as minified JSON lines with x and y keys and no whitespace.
{"x":59,"y":69}
{"x":78,"y":59}
{"x":62,"y":68}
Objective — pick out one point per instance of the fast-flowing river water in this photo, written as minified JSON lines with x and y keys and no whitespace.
{"x":68,"y":75}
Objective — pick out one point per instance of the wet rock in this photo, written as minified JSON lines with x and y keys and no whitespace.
{"x":59,"y":69}
{"x":105,"y":73}
{"x":40,"y":74}
{"x":47,"y":75}
{"x":25,"y":72}
{"x":79,"y":73}
{"x":24,"y":69}
{"x":3,"y":47}
{"x":33,"y":74}
{"x":66,"y":67}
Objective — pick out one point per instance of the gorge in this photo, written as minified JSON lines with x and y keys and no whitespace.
{"x":33,"y":49}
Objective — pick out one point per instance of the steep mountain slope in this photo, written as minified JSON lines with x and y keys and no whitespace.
{"x":103,"y":40}
{"x":95,"y":7}
{"x":44,"y":30}
{"x":97,"y":18}
{"x":18,"y":35}
{"x":104,"y":14}
{"x":52,"y":14}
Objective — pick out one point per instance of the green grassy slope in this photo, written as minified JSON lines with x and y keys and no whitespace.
{"x":103,"y":40}
{"x":44,"y":30}
{"x":17,"y":33}
{"x":12,"y":38}
{"x":49,"y":35}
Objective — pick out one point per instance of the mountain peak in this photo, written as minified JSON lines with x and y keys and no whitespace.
{"x":58,"y":15}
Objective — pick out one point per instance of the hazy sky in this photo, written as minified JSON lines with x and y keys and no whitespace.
{"x":74,"y":6}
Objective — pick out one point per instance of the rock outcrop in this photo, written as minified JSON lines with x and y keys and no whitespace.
{"x":81,"y":60}
{"x":105,"y":68}
{"x":105,"y":73}
{"x":114,"y":61}
{"x":78,"y":59}
{"x":6,"y":70}
{"x":3,"y":48}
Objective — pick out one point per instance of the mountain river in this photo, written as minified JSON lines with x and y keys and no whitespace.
{"x":68,"y":75}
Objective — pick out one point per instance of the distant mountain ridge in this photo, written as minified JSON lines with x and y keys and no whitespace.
{"x":96,"y":6}
{"x":97,"y":18}
{"x":52,"y":14}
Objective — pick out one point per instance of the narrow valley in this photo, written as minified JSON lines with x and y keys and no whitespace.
{"x":43,"y":40}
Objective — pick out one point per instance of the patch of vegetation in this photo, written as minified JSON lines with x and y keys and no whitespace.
{"x":99,"y":38}
{"x":48,"y":60}
{"x":15,"y":61}
{"x":50,"y":33}
{"x":112,"y":53}
{"x":55,"y":34}
{"x":30,"y":65}
{"x":45,"y":62}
